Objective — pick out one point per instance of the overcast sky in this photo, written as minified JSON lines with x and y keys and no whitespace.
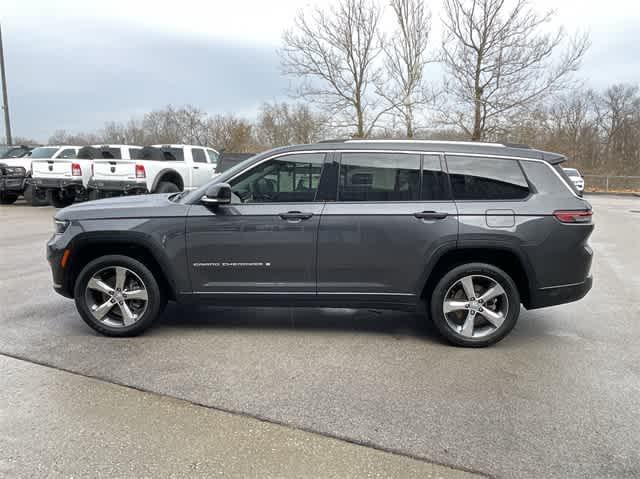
{"x":74,"y":64}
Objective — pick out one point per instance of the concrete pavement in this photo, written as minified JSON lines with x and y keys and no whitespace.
{"x":58,"y":424}
{"x":558,"y":398}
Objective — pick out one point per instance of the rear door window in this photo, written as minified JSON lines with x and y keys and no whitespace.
{"x":198,"y":155}
{"x":379,"y":177}
{"x":478,"y":178}
{"x":434,"y":181}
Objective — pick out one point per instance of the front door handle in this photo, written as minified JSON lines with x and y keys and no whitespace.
{"x":431,"y":215}
{"x":295,"y":216}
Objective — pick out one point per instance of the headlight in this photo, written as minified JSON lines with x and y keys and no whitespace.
{"x":61,"y":225}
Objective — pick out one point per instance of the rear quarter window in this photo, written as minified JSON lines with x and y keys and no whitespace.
{"x":544,"y":180}
{"x":478,"y":178}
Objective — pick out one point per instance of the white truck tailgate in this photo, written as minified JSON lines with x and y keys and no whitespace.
{"x":114,"y":169}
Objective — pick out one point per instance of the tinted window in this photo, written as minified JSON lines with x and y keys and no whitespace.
{"x":379,"y":177}
{"x":110,"y":153}
{"x":434,"y":181}
{"x":475,"y":178}
{"x":291,"y":178}
{"x":67,"y":153}
{"x":135,"y":153}
{"x":213,"y":156}
{"x":172,"y":154}
{"x":198,"y":155}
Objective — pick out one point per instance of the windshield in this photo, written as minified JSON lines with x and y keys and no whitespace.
{"x":44,"y":152}
{"x":12,"y":152}
{"x":571,"y":172}
{"x":197,"y":194}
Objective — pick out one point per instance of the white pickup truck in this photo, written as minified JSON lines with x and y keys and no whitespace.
{"x":157,"y":169}
{"x":40,"y":158}
{"x":63,"y":177}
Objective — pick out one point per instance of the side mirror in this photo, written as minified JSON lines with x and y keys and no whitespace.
{"x":218,"y":194}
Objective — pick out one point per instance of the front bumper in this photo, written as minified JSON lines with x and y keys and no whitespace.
{"x":12,"y":184}
{"x":58,"y":183}
{"x":555,"y":295}
{"x":56,"y":247}
{"x":118,"y":186}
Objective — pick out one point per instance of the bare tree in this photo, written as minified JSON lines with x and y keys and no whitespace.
{"x":334,"y":52}
{"x":405,"y":60}
{"x":230,"y":133}
{"x":284,"y":124}
{"x":501,"y":58}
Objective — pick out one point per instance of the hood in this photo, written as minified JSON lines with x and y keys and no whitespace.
{"x":24,"y":162}
{"x":139,"y":206}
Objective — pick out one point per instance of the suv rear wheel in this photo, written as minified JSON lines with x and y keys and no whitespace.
{"x":60,"y":198}
{"x":475,"y":305}
{"x":118,"y":296}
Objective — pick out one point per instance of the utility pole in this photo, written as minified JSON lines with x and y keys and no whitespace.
{"x":5,"y":99}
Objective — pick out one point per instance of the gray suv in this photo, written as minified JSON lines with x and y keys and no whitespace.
{"x":469,"y":230}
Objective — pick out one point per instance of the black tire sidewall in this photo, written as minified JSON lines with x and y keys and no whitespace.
{"x":34,"y":196}
{"x":167,"y":187}
{"x":155,"y":297}
{"x":60,"y":199}
{"x":439,"y":292}
{"x":8,"y":198}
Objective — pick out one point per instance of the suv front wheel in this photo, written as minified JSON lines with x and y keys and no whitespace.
{"x":475,"y":305}
{"x":118,"y":296}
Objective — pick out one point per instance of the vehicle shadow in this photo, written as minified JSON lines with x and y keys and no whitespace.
{"x":394,"y":323}
{"x":384,"y":322}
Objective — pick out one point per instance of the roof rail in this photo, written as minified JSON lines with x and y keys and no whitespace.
{"x":336,"y":140}
{"x":440,"y":142}
{"x":517,"y":145}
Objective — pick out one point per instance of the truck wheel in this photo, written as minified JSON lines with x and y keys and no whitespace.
{"x":167,"y":187}
{"x":475,"y":305}
{"x":35,"y":196}
{"x":60,"y":199}
{"x":7,"y":198}
{"x":118,"y":296}
{"x":95,"y":195}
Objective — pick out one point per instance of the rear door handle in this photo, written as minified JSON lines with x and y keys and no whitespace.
{"x":431,"y":215}
{"x":295,"y":216}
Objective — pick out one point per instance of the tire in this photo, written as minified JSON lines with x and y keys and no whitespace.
{"x":35,"y":196}
{"x":8,"y":198}
{"x":60,"y":198}
{"x":95,"y":195}
{"x":138,"y":277}
{"x":166,"y":187}
{"x":483,"y":319}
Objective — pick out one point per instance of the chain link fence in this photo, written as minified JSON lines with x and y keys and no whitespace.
{"x":612,"y":184}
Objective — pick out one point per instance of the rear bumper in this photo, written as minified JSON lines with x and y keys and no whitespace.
{"x":119,"y":186}
{"x":57,"y":183}
{"x":12,"y":184}
{"x":555,"y":295}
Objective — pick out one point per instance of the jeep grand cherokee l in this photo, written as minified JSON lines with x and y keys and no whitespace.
{"x":471,"y":230}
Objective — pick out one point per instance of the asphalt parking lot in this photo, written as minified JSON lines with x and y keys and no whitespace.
{"x":560,"y":397}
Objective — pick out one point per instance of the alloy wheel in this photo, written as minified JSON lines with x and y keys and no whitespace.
{"x":116,"y":296}
{"x":475,"y":306}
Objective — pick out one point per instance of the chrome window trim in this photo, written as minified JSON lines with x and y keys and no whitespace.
{"x":409,"y":152}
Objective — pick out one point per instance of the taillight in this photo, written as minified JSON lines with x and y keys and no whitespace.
{"x":76,"y":170}
{"x":574,"y":216}
{"x":140,"y":173}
